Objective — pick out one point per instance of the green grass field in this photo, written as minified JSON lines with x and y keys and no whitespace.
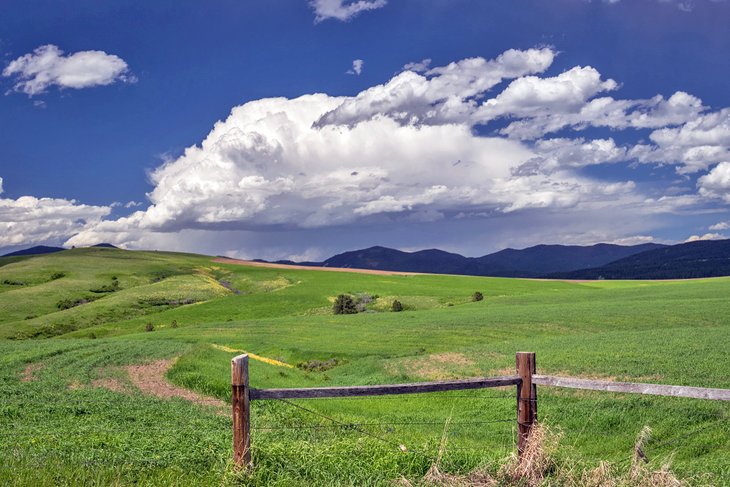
{"x":59,"y":427}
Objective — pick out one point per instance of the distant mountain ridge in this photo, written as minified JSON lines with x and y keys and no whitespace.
{"x":536,"y":261}
{"x":37,"y":250}
{"x":707,"y":258}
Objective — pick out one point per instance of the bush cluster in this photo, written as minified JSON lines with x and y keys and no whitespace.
{"x":344,"y":305}
{"x":107,"y":288}
{"x":71,"y":303}
{"x":9,"y":282}
{"x":477,"y":296}
{"x":347,"y":304}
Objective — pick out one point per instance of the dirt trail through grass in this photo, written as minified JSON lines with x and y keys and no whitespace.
{"x":150,"y":379}
{"x":226,"y":260}
{"x":28,"y":374}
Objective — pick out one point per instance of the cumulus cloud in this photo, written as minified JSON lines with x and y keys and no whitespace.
{"x":418,"y":67}
{"x":343,"y":10}
{"x":720,"y":226}
{"x":553,"y":154}
{"x":357,"y":66}
{"x":605,"y":112}
{"x":410,"y":151}
{"x":531,"y":96}
{"x":633,"y":240}
{"x":707,"y":236}
{"x":716,"y":183}
{"x":48,"y":66}
{"x":30,"y":220}
{"x":441,"y":94}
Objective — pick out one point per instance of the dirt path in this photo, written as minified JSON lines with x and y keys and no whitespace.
{"x":150,"y":379}
{"x":226,"y":260}
{"x":28,"y":374}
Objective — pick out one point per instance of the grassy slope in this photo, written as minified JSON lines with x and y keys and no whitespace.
{"x":670,"y":332}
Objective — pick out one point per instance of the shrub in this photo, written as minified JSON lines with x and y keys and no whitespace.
{"x":173,"y":324}
{"x":318,"y":365}
{"x":71,"y":303}
{"x":362,"y":301}
{"x":9,"y":282}
{"x":477,"y":296}
{"x":57,"y":275}
{"x":149,"y":327}
{"x":107,"y":288}
{"x":396,"y":306}
{"x":344,"y":305}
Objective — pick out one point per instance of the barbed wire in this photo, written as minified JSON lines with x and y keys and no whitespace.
{"x":394,"y":423}
{"x":687,"y":435}
{"x":398,"y":445}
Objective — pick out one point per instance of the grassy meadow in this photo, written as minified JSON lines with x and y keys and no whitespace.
{"x":71,"y":324}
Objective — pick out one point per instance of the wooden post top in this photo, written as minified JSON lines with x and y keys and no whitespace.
{"x":239,"y":370}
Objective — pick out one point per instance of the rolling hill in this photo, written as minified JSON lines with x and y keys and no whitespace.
{"x":70,"y":396}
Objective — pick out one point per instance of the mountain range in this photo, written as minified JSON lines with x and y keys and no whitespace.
{"x":536,"y":261}
{"x":600,"y":261}
{"x":709,"y":258}
{"x":44,"y":249}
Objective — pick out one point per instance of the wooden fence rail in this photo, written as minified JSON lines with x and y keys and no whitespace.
{"x":389,"y":389}
{"x":633,"y":387}
{"x":525,"y":379}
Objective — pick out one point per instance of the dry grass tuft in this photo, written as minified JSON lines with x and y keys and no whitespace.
{"x":641,"y":476}
{"x":537,"y":459}
{"x":539,"y":467}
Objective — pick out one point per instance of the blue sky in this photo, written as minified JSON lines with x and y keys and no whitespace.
{"x":195,"y":125}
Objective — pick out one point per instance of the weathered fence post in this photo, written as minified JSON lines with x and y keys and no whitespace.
{"x":241,"y":412}
{"x":526,"y":398}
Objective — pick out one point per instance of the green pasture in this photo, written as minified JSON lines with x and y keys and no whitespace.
{"x":58,"y":426}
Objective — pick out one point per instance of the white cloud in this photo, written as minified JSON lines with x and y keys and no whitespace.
{"x":720,"y":226}
{"x":633,"y":240}
{"x":531,"y":96}
{"x":343,"y":10}
{"x":716,"y":183}
{"x":553,"y":154}
{"x":442,"y":94}
{"x":418,"y":67}
{"x":690,"y":159}
{"x":707,"y":236}
{"x":407,"y":152}
{"x":30,"y":220}
{"x":47,"y":66}
{"x":711,"y":129}
{"x":606,"y":112}
{"x":357,"y":66}
{"x":699,"y":143}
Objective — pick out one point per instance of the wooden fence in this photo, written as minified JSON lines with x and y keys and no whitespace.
{"x":526,"y":379}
